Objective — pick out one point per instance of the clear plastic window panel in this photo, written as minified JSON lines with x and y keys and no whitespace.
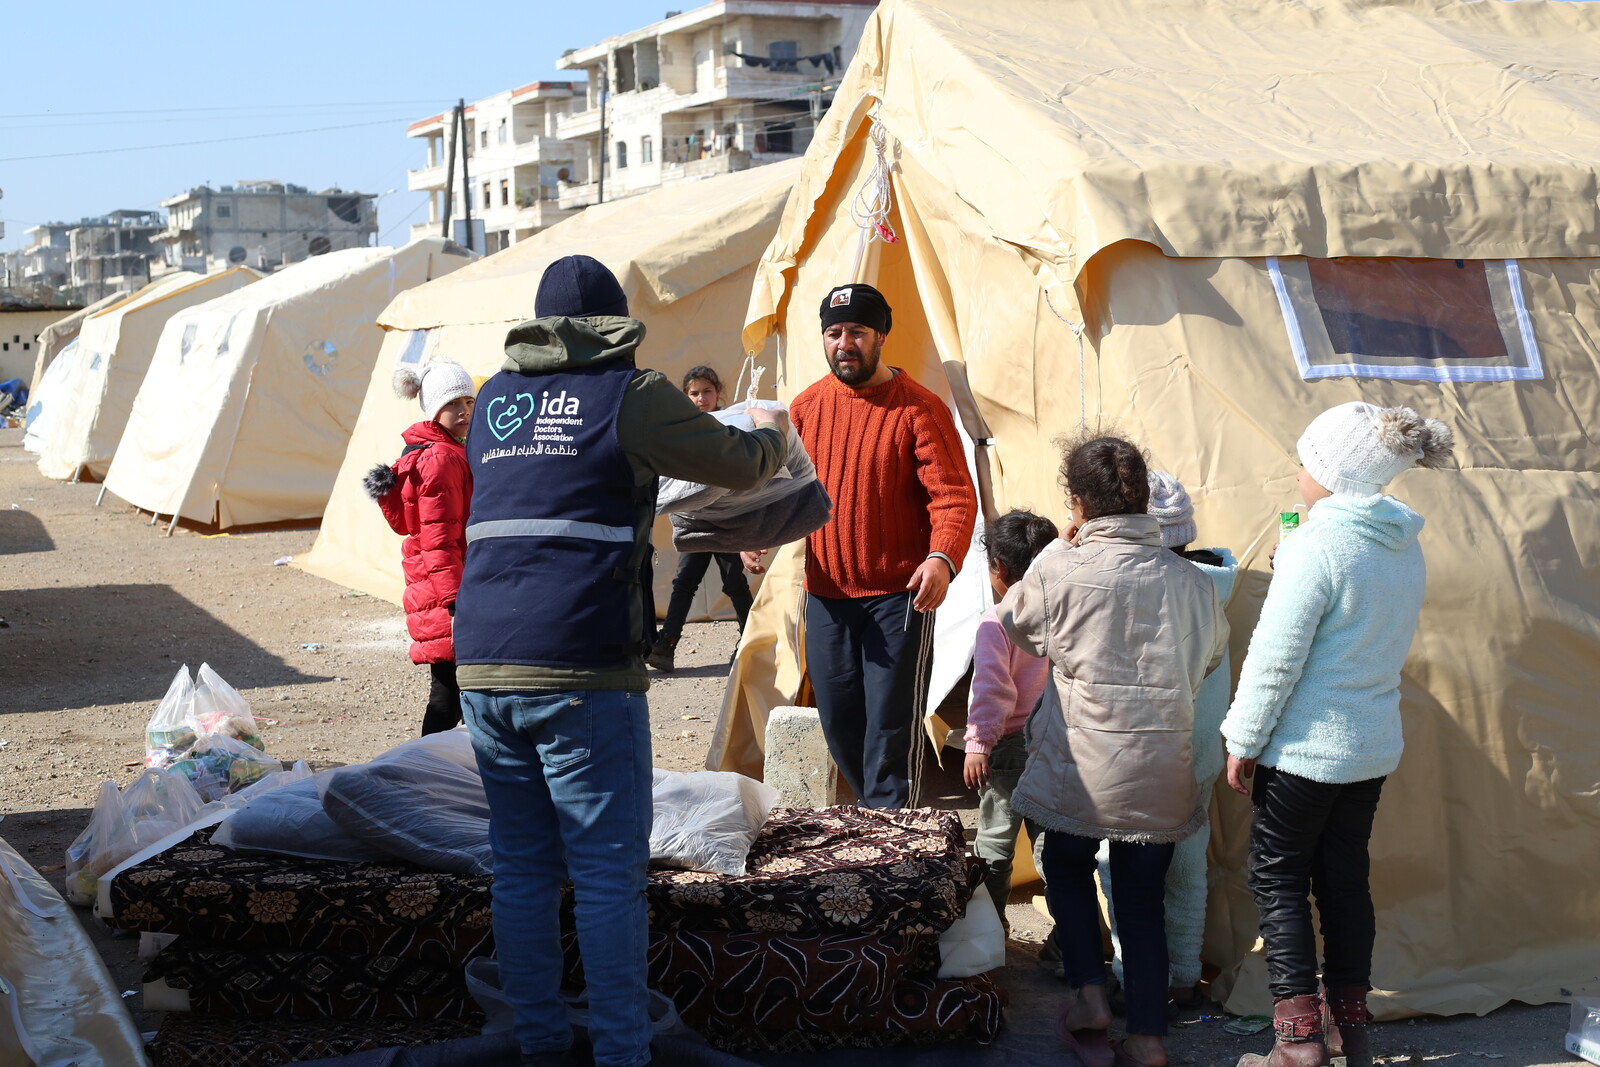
{"x":1438,"y":320}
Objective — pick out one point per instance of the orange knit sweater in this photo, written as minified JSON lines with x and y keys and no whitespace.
{"x":891,"y":460}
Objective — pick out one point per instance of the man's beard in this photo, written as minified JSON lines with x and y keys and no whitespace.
{"x":864,"y":370}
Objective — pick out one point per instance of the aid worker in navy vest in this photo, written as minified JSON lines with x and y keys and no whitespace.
{"x":566,"y":444}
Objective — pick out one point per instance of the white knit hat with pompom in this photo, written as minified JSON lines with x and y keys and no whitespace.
{"x":439,"y":383}
{"x":1170,"y":504}
{"x":1358,"y":448}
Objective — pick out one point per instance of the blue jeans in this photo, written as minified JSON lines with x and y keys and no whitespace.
{"x":567,"y":775}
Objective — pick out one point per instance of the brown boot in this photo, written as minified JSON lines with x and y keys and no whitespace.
{"x":1345,"y":1018}
{"x":1297,"y":1033}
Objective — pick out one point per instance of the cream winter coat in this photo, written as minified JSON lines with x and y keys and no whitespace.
{"x":1131,"y":630}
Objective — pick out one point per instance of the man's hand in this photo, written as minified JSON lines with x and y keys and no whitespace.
{"x":975,"y":772}
{"x":752,"y":561}
{"x":1240,"y":771}
{"x":931,"y":580}
{"x":760,"y":417}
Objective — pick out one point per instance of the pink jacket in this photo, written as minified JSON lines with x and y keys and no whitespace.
{"x":1006,"y":684}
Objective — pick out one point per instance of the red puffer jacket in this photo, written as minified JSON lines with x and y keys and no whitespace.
{"x":425,"y":496}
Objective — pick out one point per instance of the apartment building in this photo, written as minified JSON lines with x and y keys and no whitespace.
{"x":45,"y":261}
{"x":730,"y":85}
{"x":515,"y":162}
{"x":262,"y":224}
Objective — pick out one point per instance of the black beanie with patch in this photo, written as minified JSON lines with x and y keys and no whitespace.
{"x":578,"y":287}
{"x":856,"y":303}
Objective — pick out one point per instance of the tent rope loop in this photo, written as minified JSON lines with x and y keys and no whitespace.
{"x":869,"y":209}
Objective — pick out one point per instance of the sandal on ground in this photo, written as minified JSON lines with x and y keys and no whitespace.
{"x":1091,"y":1046}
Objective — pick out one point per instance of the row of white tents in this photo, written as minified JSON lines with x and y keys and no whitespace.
{"x":1173,"y":214}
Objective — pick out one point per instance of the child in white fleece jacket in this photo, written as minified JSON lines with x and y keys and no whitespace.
{"x":1318,"y":708}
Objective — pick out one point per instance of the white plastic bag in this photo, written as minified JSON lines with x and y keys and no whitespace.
{"x":974,"y":943}
{"x":171,"y":732}
{"x":289,"y":820}
{"x":707,"y":820}
{"x":219,"y":709}
{"x":157,"y":803}
{"x":417,"y":803}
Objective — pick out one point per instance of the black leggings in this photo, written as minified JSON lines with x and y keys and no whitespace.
{"x":1311,"y":838}
{"x":444,"y":699}
{"x":692,"y":567}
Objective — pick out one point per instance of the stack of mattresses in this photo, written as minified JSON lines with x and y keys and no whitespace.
{"x":278,"y":955}
{"x":829,"y":941}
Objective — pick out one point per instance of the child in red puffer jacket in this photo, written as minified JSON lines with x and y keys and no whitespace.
{"x":425,"y":496}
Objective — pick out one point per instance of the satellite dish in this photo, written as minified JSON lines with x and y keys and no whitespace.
{"x":236,"y":254}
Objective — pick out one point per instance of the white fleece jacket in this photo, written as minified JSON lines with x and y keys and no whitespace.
{"x":1319,"y":693}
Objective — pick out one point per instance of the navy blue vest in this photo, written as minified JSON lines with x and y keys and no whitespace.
{"x":552,"y":567}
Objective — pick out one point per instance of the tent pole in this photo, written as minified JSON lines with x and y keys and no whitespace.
{"x":153,"y":517}
{"x":102,"y":495}
{"x":173,"y":523}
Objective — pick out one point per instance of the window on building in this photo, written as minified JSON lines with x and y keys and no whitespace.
{"x":647,"y":150}
{"x":1434,"y":320}
{"x":224,"y":211}
{"x":483,"y":139}
{"x":505,"y":192}
{"x":486,"y":195}
{"x":502,"y":131}
{"x":622,"y":155}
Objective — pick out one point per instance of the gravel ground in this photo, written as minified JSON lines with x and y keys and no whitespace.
{"x":98,"y":610}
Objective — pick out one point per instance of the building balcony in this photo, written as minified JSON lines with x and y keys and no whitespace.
{"x":424,"y":229}
{"x":425,"y":178}
{"x":578,"y":124}
{"x":574,"y":195}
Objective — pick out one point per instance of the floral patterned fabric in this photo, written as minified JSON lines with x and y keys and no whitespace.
{"x":255,"y":982}
{"x":189,"y":1040}
{"x":837,"y":870}
{"x":231,"y":897}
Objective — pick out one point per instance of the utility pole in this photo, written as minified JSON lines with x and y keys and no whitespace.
{"x":466,"y":178}
{"x":604,"y":86}
{"x":450,"y":168}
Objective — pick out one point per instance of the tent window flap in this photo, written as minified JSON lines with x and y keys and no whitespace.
{"x":1433,"y":320}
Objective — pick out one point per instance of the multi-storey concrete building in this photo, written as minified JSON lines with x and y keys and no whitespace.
{"x":116,"y":251}
{"x":726,"y":86}
{"x":45,"y":261}
{"x":515,"y":162}
{"x":262,"y":224}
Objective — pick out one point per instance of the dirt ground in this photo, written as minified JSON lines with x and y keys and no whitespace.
{"x":98,"y":609}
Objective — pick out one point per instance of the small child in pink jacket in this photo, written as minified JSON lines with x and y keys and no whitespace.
{"x":1006,"y":684}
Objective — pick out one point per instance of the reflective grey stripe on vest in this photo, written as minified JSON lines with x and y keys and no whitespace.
{"x":590,"y":531}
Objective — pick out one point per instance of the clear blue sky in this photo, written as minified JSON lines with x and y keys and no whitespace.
{"x":108,"y":78}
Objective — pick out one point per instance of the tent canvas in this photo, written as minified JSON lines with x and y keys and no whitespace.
{"x":684,"y":255}
{"x":250,"y":399}
{"x":115,"y":345}
{"x":1185,"y":218}
{"x":53,"y":339}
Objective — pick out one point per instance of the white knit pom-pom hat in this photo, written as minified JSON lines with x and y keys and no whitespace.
{"x":1357,"y":448}
{"x":1170,"y":504}
{"x":439,"y":383}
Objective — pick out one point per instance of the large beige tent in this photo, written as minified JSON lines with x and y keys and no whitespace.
{"x":250,"y":399}
{"x":685,"y":256}
{"x":1248,"y":213}
{"x":62,"y":332}
{"x":91,"y":399}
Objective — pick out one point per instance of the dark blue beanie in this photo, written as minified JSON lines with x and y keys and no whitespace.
{"x":578,"y":287}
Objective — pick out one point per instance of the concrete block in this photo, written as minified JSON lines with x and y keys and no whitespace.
{"x":797,"y":762}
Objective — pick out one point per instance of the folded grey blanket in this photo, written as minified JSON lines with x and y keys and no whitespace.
{"x":787,"y":519}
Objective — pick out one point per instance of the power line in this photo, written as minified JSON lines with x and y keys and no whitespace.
{"x":232,"y":107}
{"x":207,"y":140}
{"x":409,"y":215}
{"x":236,"y":118}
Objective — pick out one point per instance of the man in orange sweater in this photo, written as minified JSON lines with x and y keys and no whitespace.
{"x":887,"y":452}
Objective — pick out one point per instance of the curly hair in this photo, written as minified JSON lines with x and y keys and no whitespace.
{"x":1108,"y":474}
{"x":1014,"y":539}
{"x":704,"y":374}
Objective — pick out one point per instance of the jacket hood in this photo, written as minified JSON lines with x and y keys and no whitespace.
{"x":557,"y":343}
{"x":426,"y":432}
{"x":1222,"y":575}
{"x":1379,"y":518}
{"x":1134,"y":529}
